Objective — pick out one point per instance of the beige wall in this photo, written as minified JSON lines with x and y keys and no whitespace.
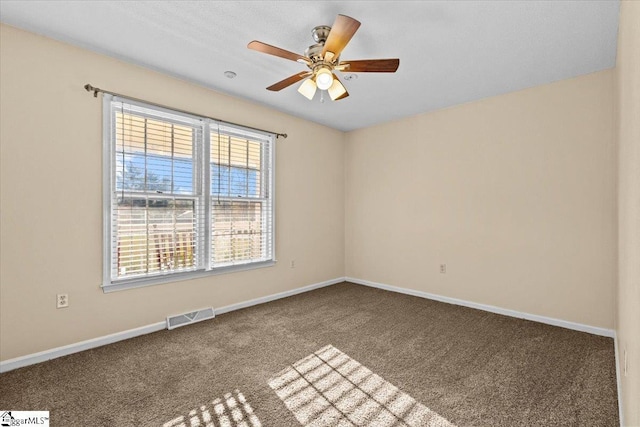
{"x":628,"y":130}
{"x":515,"y":193}
{"x":51,"y":198}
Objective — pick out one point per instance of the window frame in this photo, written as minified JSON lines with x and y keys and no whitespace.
{"x":202,"y":196}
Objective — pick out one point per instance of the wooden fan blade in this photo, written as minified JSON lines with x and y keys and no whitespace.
{"x":371,"y":66}
{"x":276,"y":51}
{"x":343,"y":96}
{"x":341,"y":32}
{"x":289,"y":81}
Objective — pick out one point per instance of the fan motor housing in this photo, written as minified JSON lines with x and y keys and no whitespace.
{"x":320,"y":33}
{"x":314,"y":52}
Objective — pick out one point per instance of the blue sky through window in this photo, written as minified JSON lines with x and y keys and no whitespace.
{"x":163,"y":171}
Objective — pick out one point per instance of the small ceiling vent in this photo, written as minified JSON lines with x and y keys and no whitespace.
{"x":189,"y":318}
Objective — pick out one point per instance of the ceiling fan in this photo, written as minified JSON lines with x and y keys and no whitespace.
{"x":323,"y":58}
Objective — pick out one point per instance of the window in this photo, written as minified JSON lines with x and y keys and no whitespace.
{"x":184,"y":196}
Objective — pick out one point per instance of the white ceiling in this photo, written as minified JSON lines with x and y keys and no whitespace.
{"x":450,"y":52}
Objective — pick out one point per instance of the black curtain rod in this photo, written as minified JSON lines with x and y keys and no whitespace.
{"x":96,"y":90}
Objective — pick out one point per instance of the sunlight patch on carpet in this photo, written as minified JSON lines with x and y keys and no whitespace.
{"x":328,"y":388}
{"x":231,"y":411}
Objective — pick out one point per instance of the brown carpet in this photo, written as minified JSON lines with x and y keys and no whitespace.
{"x":338,"y":356}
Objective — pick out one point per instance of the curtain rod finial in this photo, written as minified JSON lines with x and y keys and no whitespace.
{"x":90,"y":88}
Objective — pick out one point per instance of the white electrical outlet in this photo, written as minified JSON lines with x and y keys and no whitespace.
{"x":443,"y":268}
{"x":62,"y":300}
{"x":293,"y":263}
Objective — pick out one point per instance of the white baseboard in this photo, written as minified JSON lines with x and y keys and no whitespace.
{"x":280,"y":295}
{"x":54,"y":353}
{"x":498,"y":310}
{"x":32,"y":359}
{"x":618,"y":381}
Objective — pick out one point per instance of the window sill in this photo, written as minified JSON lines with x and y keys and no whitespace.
{"x":122,"y":285}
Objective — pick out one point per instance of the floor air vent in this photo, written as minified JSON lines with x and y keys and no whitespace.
{"x":189,"y":318}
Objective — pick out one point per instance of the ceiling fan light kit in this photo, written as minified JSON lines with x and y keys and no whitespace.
{"x":323,"y":58}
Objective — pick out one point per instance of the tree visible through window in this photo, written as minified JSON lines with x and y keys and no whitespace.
{"x":186,"y":194}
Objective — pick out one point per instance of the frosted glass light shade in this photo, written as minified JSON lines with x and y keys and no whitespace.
{"x":308,"y":89}
{"x":324,"y":79}
{"x":336,"y":90}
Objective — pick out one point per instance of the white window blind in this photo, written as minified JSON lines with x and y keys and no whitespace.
{"x":241,"y":205}
{"x":187,"y":196}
